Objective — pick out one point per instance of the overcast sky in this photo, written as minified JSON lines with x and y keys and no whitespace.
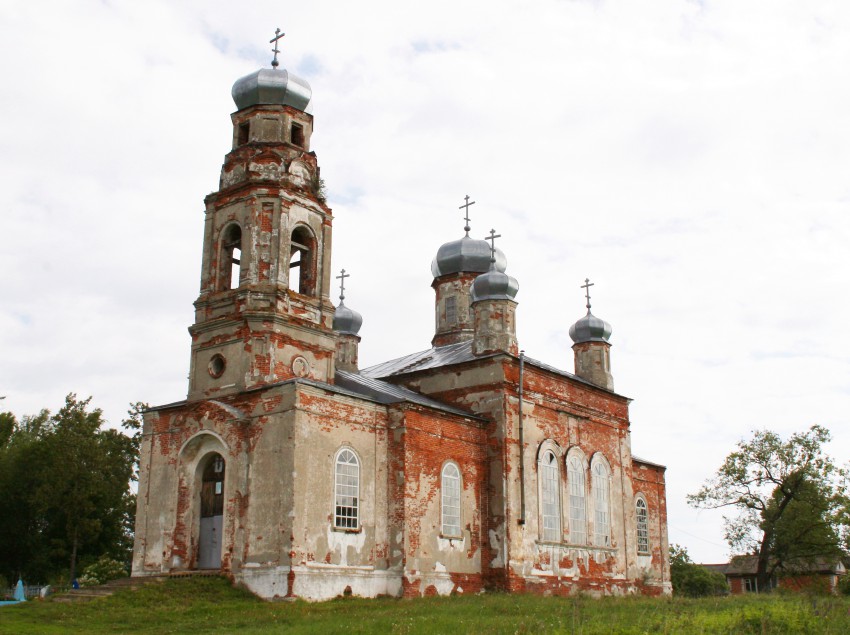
{"x":690,"y":158}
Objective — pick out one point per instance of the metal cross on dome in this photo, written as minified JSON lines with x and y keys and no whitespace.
{"x":492,"y":238}
{"x":586,"y":286}
{"x":341,"y":277}
{"x":275,"y":50}
{"x":466,"y":213}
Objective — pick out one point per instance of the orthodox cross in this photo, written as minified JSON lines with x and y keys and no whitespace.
{"x":275,"y":50}
{"x":341,"y":277}
{"x":466,"y":213}
{"x":586,"y":286}
{"x":492,"y":238}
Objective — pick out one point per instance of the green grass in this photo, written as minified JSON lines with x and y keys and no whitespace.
{"x":211,"y":605}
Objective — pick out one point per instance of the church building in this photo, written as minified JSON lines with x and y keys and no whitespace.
{"x":461,"y":468}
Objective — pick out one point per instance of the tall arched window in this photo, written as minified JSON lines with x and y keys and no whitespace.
{"x":547,"y":469}
{"x":642,"y":526}
{"x":231,"y":257}
{"x":602,"y":517}
{"x":347,"y":490}
{"x":578,"y":498}
{"x":450,"y":488}
{"x":302,"y":261}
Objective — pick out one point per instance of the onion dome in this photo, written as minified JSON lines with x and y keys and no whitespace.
{"x":272,"y":86}
{"x":590,"y":329}
{"x":465,"y":255}
{"x":347,"y":321}
{"x":494,"y":285}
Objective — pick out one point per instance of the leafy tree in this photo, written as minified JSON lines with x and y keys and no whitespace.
{"x":7,"y":426}
{"x":691,"y":579}
{"x":786,"y":496}
{"x":64,"y":492}
{"x":807,"y":530}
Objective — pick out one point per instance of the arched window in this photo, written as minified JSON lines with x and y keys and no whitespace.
{"x":578,"y":498}
{"x":347,"y":490}
{"x":642,"y":526}
{"x":302,"y":261}
{"x":547,"y":466}
{"x":231,"y":254}
{"x":450,"y":488}
{"x":602,"y":516}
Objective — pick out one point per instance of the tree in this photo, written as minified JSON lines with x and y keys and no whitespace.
{"x":691,"y":579}
{"x":64,"y":492}
{"x":806,"y":531}
{"x":786,"y":495}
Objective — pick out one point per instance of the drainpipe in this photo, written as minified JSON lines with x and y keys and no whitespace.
{"x":521,"y":444}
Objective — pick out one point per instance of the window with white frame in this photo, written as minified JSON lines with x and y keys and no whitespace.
{"x":642,"y":526}
{"x":347,"y":490}
{"x":578,"y":499}
{"x":602,"y":524}
{"x":549,"y":496}
{"x":450,"y":488}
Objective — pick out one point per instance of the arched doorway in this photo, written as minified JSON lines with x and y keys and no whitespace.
{"x":212,"y":513}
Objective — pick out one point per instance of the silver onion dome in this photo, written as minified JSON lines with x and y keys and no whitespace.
{"x":467,"y":255}
{"x":347,"y":320}
{"x":590,"y":329}
{"x":272,"y":86}
{"x":494,"y":285}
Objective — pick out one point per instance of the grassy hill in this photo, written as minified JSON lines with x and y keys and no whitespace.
{"x":211,"y":605}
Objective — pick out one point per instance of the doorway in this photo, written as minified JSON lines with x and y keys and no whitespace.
{"x":212,"y":513}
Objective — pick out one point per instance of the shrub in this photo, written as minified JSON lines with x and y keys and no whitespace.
{"x":104,"y":570}
{"x":691,"y":579}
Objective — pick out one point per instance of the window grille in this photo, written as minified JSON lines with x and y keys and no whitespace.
{"x":551,"y":504}
{"x":602,"y":526}
{"x":450,"y":488}
{"x":451,"y":310}
{"x":578,"y":501}
{"x":642,"y":527}
{"x":347,"y":495}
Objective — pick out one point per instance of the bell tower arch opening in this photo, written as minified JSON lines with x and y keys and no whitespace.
{"x":231,"y":257}
{"x":302,"y":261}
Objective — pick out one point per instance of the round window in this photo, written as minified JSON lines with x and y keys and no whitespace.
{"x":217,"y":365}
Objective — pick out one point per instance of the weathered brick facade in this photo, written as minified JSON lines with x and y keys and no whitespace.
{"x":459,"y":469}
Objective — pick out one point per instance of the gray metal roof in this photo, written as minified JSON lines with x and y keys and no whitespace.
{"x":444,"y":356}
{"x":353,"y":385}
{"x":454,"y":354}
{"x":386,"y":393}
{"x":637,"y":459}
{"x":423,"y":360}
